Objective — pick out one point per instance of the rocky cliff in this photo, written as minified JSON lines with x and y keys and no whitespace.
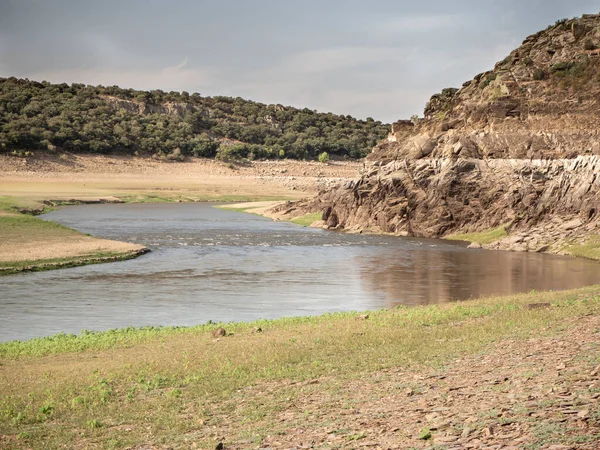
{"x":518,"y":146}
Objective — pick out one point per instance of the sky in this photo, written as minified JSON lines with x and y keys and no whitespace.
{"x":367,"y":58}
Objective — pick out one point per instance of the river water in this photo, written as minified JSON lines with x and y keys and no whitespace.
{"x":219,"y":265}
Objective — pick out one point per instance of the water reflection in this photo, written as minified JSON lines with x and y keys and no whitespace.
{"x":432,"y":276}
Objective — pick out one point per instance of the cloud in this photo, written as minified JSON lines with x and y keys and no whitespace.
{"x":419,"y":24}
{"x":337,"y":58}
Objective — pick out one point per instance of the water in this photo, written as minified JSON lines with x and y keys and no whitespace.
{"x":212,"y":264}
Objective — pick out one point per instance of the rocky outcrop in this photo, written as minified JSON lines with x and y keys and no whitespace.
{"x":517,"y":146}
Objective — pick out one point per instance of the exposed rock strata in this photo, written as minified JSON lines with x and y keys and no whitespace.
{"x":516,"y":146}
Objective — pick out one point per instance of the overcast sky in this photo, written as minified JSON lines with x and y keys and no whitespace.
{"x":378,"y":58}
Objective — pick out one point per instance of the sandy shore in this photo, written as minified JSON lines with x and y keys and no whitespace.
{"x":29,"y":183}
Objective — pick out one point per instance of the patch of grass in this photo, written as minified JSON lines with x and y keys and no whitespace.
{"x":482,"y":237}
{"x":23,"y":225}
{"x":172,"y":382}
{"x":38,"y":265}
{"x":307,"y":219}
{"x":589,"y":249}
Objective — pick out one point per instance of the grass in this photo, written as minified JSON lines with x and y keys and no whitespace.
{"x":482,"y":237}
{"x":37,"y":265}
{"x":590,"y":249}
{"x":307,"y":219}
{"x":171,"y":385}
{"x":23,"y":224}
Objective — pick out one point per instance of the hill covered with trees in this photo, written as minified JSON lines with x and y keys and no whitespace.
{"x":95,"y":119}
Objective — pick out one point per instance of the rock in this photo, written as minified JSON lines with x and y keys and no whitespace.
{"x":474,"y":245}
{"x":363,"y":317}
{"x":257,"y":330}
{"x":501,"y":150}
{"x":572,"y":224}
{"x":219,"y":332}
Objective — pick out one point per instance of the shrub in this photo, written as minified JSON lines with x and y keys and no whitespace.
{"x":561,"y":66}
{"x":324,"y":157}
{"x":589,"y":45}
{"x":539,"y":74}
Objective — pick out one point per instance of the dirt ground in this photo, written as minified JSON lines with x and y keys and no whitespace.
{"x":92,"y":177}
{"x":543,"y":393}
{"x":44,"y":247}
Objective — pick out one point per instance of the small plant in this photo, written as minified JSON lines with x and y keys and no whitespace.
{"x":19,"y":418}
{"x":24,"y":435}
{"x":589,"y":45}
{"x":175,"y":393}
{"x":415,"y":119}
{"x":324,"y":157}
{"x":527,"y":61}
{"x":77,"y":401}
{"x":94,"y":423}
{"x":47,"y":409}
{"x":539,"y":74}
{"x":425,"y":434}
{"x":131,"y":393}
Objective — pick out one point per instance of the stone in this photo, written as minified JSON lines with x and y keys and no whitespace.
{"x":500,"y":161}
{"x":572,"y":224}
{"x":219,"y":332}
{"x":474,"y":245}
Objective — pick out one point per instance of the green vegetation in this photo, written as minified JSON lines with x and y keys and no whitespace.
{"x":170,"y":125}
{"x":176,"y":384}
{"x":38,"y":265}
{"x":307,"y":219}
{"x":22,"y":223}
{"x":324,"y":157}
{"x":539,"y":74}
{"x":440,"y":103}
{"x":589,"y":249}
{"x":482,"y":237}
{"x":578,"y":74}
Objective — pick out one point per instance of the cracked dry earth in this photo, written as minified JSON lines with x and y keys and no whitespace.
{"x":543,"y":393}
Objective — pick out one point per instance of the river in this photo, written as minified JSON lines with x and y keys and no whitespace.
{"x":212,"y":264}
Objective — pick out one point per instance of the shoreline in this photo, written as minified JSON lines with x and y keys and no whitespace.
{"x":34,"y":185}
{"x":498,"y":367}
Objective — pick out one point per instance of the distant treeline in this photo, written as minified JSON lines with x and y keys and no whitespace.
{"x":95,"y":119}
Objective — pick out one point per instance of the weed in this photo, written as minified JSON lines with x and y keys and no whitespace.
{"x":425,"y":434}
{"x":94,"y":423}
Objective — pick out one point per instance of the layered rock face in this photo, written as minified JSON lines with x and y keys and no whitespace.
{"x":516,"y":146}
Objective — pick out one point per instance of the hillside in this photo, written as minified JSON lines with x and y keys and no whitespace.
{"x":96,"y":119}
{"x":512,"y":157}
